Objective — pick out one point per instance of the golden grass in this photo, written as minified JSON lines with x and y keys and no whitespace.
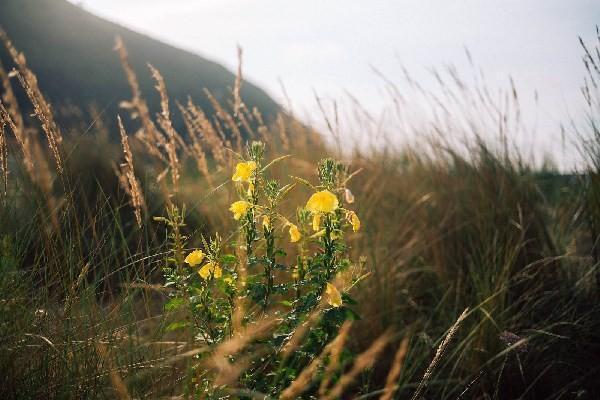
{"x":127,"y":178}
{"x":41,"y":107}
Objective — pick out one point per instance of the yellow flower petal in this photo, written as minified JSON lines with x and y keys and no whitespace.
{"x":217,"y":272}
{"x":266,"y":222}
{"x":228,"y":280}
{"x":210,"y":268}
{"x":243,"y":171}
{"x":295,"y":234}
{"x":334,"y":298}
{"x":316,"y":222}
{"x":204,"y":272}
{"x":353,"y":219}
{"x":322,"y":202}
{"x":194,"y":258}
{"x":239,"y":208}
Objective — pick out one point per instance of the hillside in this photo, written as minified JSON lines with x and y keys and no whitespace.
{"x":71,"y":51}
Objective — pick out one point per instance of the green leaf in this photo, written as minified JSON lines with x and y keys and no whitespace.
{"x":176,"y":325}
{"x":227,"y":259}
{"x":346,"y":299}
{"x":286,"y":303}
{"x":174,"y":304}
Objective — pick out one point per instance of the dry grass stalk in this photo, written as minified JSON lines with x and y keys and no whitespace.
{"x":302,"y":381}
{"x":226,"y":372}
{"x":299,"y":333}
{"x":438,"y":354}
{"x":227,"y":118}
{"x":362,"y":362}
{"x":41,"y":107}
{"x":209,"y":134}
{"x":164,"y":120}
{"x":237,"y":98}
{"x":196,"y":149}
{"x":98,"y":122}
{"x":3,"y":156}
{"x":263,"y":131}
{"x":42,"y":177}
{"x":128,"y":179}
{"x":394,"y":374}
{"x":38,"y":171}
{"x":240,"y":301}
{"x":74,"y":286}
{"x":245,"y":118}
{"x":148,"y":135}
{"x":11,"y":102}
{"x":285,"y":142}
{"x":115,"y":379}
{"x":336,"y":347}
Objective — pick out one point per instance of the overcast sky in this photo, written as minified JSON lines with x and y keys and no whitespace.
{"x":329,"y":46}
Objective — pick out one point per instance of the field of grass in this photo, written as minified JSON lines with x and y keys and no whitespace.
{"x":473,"y":273}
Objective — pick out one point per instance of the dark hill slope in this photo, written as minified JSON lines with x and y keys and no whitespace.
{"x":71,"y":51}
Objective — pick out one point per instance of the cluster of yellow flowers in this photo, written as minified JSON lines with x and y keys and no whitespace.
{"x":210,"y":268}
{"x":243,"y":173}
{"x":319,"y":204}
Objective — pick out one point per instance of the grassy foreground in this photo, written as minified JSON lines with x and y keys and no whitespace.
{"x":473,"y":274}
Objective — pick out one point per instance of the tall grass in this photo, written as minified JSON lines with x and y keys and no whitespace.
{"x":447,"y":227}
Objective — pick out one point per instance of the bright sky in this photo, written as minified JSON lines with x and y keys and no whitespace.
{"x":330,"y":46}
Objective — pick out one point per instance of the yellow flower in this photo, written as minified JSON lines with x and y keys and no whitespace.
{"x":210,"y":268}
{"x":204,"y":272}
{"x":250,"y":189}
{"x":334,"y":298}
{"x":217,"y":271}
{"x":243,"y":171}
{"x":239,"y":208}
{"x":228,"y":280}
{"x":266,"y":222}
{"x":316,"y":224}
{"x":353,"y":219}
{"x":322,"y":202}
{"x":295,"y":234}
{"x":194,"y":258}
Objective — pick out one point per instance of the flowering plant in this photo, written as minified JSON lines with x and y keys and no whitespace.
{"x":288,"y":270}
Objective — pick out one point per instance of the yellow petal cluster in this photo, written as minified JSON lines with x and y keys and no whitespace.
{"x":210,"y":268}
{"x":334,"y":298}
{"x":244,"y":171}
{"x":322,"y":202}
{"x":353,"y":219}
{"x":194,"y":258}
{"x":316,"y":222}
{"x":239,"y":208}
{"x":295,"y":234}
